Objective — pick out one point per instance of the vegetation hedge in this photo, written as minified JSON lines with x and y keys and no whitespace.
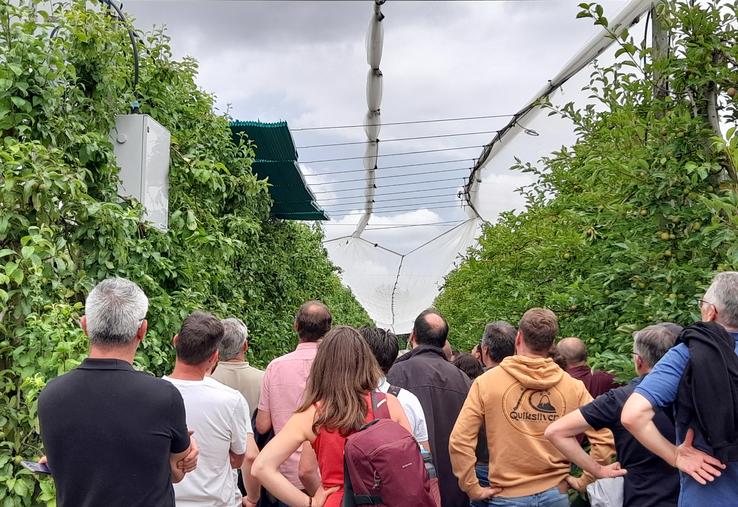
{"x":627,"y":227}
{"x":64,"y":75}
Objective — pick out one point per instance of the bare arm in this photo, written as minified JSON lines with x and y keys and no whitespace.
{"x":174,"y":460}
{"x":563,"y":435}
{"x":263,"y":421}
{"x":637,"y":417}
{"x":266,"y":466}
{"x":236,"y":459}
{"x":308,"y":469}
{"x":253,"y":488}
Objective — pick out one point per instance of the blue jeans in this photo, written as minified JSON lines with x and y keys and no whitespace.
{"x":482,"y":470}
{"x":549,"y":498}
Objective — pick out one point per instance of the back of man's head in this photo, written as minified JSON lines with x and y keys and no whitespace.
{"x":313,"y":321}
{"x":383,"y":344}
{"x":499,"y":339}
{"x":199,"y":336}
{"x":430,"y":328}
{"x":235,"y":334}
{"x":723,"y":293}
{"x":539,"y":328}
{"x":652,"y":342}
{"x":114,"y":312}
{"x":675,"y":329}
{"x":573,"y":350}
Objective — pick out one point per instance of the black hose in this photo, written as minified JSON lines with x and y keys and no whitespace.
{"x":134,"y":46}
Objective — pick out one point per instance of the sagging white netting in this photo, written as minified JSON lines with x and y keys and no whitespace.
{"x":393,"y":286}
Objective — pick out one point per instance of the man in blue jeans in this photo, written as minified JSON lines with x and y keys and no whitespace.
{"x":698,"y":376}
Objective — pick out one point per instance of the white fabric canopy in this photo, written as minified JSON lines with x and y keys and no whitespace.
{"x":394,"y":286}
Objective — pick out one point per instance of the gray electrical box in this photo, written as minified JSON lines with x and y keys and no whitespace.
{"x":141,"y":147}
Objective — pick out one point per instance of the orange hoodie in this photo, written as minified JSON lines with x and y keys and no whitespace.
{"x":517,"y":401}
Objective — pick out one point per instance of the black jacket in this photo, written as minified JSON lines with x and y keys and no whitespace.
{"x":708,"y":392}
{"x":441,"y":388}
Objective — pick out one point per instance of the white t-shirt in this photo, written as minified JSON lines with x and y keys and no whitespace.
{"x":413,"y":411}
{"x":219,"y":417}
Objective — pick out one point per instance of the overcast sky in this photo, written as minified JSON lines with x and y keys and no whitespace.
{"x":305,"y":62}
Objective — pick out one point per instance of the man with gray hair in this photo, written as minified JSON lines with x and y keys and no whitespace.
{"x":498,"y":342}
{"x":650,"y":481}
{"x":114,"y":435}
{"x":233,"y":370}
{"x":699,"y":376}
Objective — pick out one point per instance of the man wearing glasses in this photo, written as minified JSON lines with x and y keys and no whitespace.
{"x":650,"y":481}
{"x":700,"y":377}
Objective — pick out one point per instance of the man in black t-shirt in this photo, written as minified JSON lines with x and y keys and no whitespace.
{"x":114,"y":436}
{"x":650,"y":481}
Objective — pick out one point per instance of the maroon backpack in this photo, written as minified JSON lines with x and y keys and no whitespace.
{"x":382,"y":464}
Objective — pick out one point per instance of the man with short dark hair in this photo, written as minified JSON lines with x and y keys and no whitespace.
{"x":285,"y":378}
{"x":699,"y":377}
{"x":384,"y":346}
{"x":517,"y":401}
{"x":650,"y":481}
{"x":574,"y":352}
{"x":498,"y":342}
{"x":114,"y":435}
{"x":218,"y":414}
{"x":441,"y":388}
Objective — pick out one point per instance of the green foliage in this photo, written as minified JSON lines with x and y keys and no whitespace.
{"x":63,"y":228}
{"x":625,"y":228}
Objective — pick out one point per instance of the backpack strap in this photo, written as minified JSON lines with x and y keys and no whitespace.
{"x":394,"y":390}
{"x":380,"y":409}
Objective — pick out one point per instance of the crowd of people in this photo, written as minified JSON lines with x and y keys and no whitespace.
{"x":502,"y":425}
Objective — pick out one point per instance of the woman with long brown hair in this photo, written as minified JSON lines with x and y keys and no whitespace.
{"x":336,"y":404}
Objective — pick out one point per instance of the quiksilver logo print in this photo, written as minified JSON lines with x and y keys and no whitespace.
{"x":530,"y":411}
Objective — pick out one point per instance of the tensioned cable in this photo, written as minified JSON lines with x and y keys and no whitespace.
{"x":394,"y":206}
{"x":444,"y":201}
{"x":323,"y":202}
{"x":395,"y":154}
{"x":386,"y":186}
{"x":380,"y":226}
{"x":375,"y":245}
{"x":387,"y":193}
{"x":413,"y":122}
{"x":393,"y":167}
{"x":394,"y":211}
{"x":439,"y":236}
{"x":369,"y":229}
{"x":341,"y":198}
{"x":437,"y":136}
{"x":379,"y":201}
{"x":389,"y":176}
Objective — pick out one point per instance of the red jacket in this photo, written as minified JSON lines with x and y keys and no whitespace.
{"x":597,"y":382}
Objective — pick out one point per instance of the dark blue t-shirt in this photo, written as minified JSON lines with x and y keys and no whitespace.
{"x":650,"y":481}
{"x":108,"y":432}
